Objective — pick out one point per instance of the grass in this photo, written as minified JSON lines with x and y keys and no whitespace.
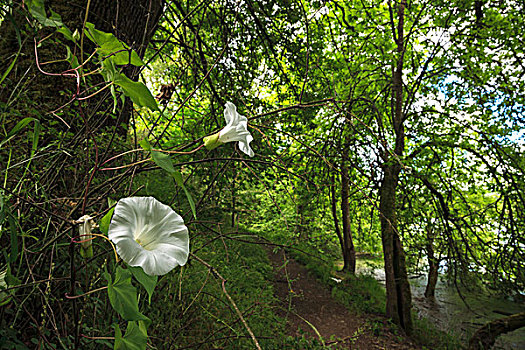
{"x":429,"y":337}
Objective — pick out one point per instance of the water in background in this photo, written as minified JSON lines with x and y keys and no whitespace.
{"x":449,"y":313}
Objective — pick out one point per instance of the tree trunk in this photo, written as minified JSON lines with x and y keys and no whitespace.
{"x":48,"y":97}
{"x":433,"y":265}
{"x":485,"y":337}
{"x":399,"y":299}
{"x":333,"y":195}
{"x":133,"y":22}
{"x":349,"y":264}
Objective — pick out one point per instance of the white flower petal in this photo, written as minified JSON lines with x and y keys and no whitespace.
{"x":236,"y":129}
{"x":244,"y":146}
{"x":149,"y":234}
{"x":230,"y":113}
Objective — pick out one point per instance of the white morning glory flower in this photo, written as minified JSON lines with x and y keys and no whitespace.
{"x":236,"y":129}
{"x":149,"y":234}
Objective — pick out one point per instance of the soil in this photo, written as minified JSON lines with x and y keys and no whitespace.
{"x":307,"y":304}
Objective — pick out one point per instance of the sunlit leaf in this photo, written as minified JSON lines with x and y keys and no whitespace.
{"x":137,"y":91}
{"x":110,"y":46}
{"x":104,"y":222}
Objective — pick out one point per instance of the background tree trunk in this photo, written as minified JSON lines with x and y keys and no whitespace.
{"x":433,"y":265}
{"x":349,"y":249}
{"x":399,"y":298}
{"x":333,"y":195}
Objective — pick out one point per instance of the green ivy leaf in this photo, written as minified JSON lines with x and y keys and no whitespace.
{"x":123,"y":295}
{"x":137,"y":91}
{"x":178,"y":179}
{"x":147,"y":281}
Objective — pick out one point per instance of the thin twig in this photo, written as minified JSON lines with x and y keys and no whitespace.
{"x":223,"y":284}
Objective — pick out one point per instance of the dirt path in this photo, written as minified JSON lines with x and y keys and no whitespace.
{"x":312,"y":306}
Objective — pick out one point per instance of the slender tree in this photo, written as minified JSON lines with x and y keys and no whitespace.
{"x":399,"y":298}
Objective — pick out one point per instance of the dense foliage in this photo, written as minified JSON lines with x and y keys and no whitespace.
{"x":338,"y":97}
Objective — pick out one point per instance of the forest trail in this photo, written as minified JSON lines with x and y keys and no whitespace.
{"x":311,"y":302}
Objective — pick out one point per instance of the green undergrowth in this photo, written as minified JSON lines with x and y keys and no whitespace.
{"x":429,"y":337}
{"x":192,"y":310}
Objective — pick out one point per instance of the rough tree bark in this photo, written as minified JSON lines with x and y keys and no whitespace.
{"x":133,"y":22}
{"x":399,"y":299}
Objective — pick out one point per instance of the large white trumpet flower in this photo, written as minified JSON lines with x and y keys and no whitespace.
{"x":236,"y":129}
{"x":149,"y":234}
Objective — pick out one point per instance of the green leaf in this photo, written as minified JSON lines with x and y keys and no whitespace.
{"x":109,"y":71}
{"x":19,"y":126}
{"x":105,"y":221}
{"x":17,"y":30}
{"x":135,"y":338}
{"x":123,"y":295}
{"x":147,"y":281}
{"x":73,"y":60}
{"x":120,"y":54}
{"x":6,"y":73}
{"x":10,"y":279}
{"x":163,"y":160}
{"x":145,"y":144}
{"x":67,"y":33}
{"x":178,"y":179}
{"x":110,"y":46}
{"x":36,"y":135}
{"x":37,"y":10}
{"x":137,"y":91}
